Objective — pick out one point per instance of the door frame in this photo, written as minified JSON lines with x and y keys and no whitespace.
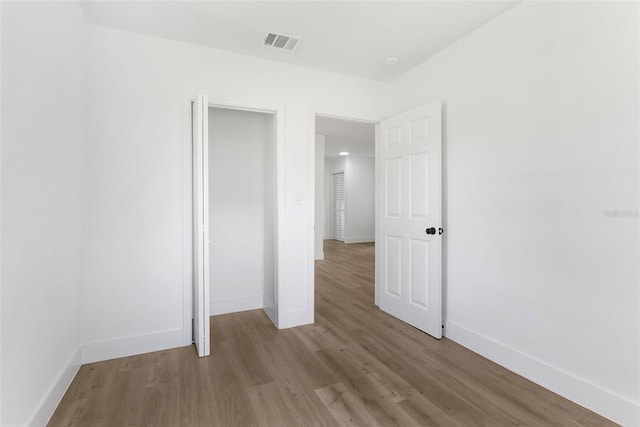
{"x":356,"y":116}
{"x":187,"y":274}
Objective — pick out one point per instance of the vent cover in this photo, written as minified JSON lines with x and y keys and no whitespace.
{"x":280,"y":41}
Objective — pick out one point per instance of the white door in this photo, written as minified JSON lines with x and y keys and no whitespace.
{"x":200,"y":133}
{"x":409,"y":217}
{"x":337,"y":207}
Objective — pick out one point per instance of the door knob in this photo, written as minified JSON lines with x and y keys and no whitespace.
{"x":431,"y":230}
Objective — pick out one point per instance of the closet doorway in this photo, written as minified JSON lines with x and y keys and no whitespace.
{"x":235,"y":206}
{"x":242,"y":210}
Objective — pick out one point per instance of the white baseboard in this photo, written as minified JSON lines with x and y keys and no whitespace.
{"x":319,"y":256}
{"x":233,"y":305}
{"x":367,"y":239}
{"x":604,"y":402}
{"x":128,"y":346}
{"x":56,"y":391}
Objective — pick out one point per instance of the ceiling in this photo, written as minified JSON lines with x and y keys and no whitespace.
{"x":358,"y":138}
{"x":347,"y":37}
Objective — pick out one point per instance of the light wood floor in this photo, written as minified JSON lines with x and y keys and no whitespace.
{"x":355,"y":366}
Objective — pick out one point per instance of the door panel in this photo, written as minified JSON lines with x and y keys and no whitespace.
{"x":419,"y":269}
{"x":393,"y":136}
{"x":394,"y":266}
{"x":393,"y":184}
{"x":200,"y":133}
{"x":409,"y":275}
{"x":419,"y":183}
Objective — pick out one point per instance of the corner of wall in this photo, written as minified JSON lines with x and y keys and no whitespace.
{"x":591,"y":396}
{"x":56,"y":390}
{"x":294,"y":318}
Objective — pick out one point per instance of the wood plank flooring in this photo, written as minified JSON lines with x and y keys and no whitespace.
{"x":356,"y":366}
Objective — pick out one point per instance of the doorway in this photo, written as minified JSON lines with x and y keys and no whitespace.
{"x":235,"y":204}
{"x":242,"y":210}
{"x":344,"y":182}
{"x":407,"y":215}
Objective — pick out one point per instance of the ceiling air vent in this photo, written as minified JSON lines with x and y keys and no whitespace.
{"x":280,"y":41}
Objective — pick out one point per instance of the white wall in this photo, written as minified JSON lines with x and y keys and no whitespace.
{"x":360,"y":196}
{"x":327,"y":199}
{"x":319,"y":225}
{"x":43,"y":133}
{"x":540,"y":146}
{"x":134,"y":261}
{"x":238,"y":142}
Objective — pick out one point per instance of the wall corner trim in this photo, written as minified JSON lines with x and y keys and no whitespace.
{"x":56,"y":390}
{"x":604,"y":402}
